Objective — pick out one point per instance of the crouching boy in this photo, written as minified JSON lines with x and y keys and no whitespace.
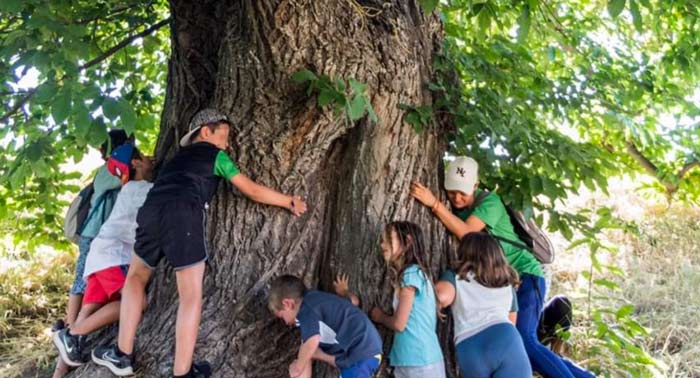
{"x":332,"y":330}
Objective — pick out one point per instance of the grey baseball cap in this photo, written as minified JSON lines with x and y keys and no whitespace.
{"x":203,"y":117}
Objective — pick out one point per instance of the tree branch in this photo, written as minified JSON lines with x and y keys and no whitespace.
{"x":124,"y":43}
{"x":22,"y":101}
{"x":641,"y":159}
{"x":686,"y":168}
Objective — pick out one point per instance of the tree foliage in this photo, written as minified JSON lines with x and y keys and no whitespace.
{"x":69,"y":71}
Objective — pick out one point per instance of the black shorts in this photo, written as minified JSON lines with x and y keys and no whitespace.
{"x":175,"y":230}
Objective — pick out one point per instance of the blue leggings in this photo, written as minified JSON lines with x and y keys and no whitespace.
{"x":496,"y":352}
{"x":530,"y":302}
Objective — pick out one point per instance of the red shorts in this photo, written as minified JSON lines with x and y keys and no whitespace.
{"x":104,"y":285}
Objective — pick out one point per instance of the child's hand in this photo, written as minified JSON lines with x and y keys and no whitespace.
{"x":295,"y":369}
{"x":422,"y":194}
{"x":297,"y":206}
{"x":376,"y":314}
{"x":341,"y":284}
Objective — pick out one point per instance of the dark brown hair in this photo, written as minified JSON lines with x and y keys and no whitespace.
{"x":412,"y":245}
{"x":285,"y":287}
{"x":482,"y":255}
{"x":212,"y":126}
{"x":413,"y":251}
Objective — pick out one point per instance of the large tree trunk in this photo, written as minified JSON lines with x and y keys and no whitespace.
{"x":238,"y":56}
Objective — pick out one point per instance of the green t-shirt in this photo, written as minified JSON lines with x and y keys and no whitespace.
{"x":225,"y":167}
{"x":493,"y":213}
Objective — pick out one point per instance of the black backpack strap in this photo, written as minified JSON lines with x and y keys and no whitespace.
{"x":480,"y":198}
{"x":511,"y":242}
{"x":477,"y":201}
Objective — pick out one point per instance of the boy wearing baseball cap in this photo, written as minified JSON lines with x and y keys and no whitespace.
{"x":110,"y":252}
{"x":171,"y":224}
{"x":474,"y":210}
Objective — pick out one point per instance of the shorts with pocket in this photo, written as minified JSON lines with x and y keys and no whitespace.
{"x":174,"y":230}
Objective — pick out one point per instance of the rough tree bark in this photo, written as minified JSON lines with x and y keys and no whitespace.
{"x":238,"y":56}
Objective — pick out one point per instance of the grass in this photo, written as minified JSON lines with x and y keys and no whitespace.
{"x":661,"y":279}
{"x":33,"y":294}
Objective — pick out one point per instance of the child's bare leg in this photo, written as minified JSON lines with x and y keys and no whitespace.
{"x":105,"y":315}
{"x":73,"y":312}
{"x":61,"y":369}
{"x":189,"y":312}
{"x":133,"y":297}
{"x":85,"y":312}
{"x":73,"y":308}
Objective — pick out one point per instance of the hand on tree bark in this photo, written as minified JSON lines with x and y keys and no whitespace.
{"x":423,"y":194}
{"x":377,"y":315}
{"x":296,"y":369}
{"x":340,"y":284}
{"x":297,"y":206}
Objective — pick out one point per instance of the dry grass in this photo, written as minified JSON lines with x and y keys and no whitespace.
{"x":33,"y":293}
{"x":662,"y":281}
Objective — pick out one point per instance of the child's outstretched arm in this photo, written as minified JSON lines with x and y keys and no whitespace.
{"x":306,"y":352}
{"x":457,"y":227}
{"x":398,"y":321}
{"x":342,"y":288}
{"x":262,"y":194}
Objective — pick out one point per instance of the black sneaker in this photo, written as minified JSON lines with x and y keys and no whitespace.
{"x":58,"y":325}
{"x":108,"y":357}
{"x":201,"y":370}
{"x":68,"y":347}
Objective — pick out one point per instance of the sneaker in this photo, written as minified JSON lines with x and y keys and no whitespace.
{"x":201,"y":370}
{"x":68,"y":347}
{"x":108,"y":357}
{"x":58,"y":325}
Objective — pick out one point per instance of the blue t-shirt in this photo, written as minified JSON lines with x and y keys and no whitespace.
{"x":417,"y":344}
{"x":346,"y":332}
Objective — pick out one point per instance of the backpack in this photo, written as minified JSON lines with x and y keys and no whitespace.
{"x":532,"y":238}
{"x":77,"y":214}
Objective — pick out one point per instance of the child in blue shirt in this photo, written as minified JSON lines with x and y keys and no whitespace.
{"x":415,"y":352}
{"x":332,"y":330}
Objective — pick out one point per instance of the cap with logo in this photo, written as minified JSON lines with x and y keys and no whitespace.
{"x":462,"y":174}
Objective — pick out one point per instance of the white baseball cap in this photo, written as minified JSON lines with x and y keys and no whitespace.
{"x":462,"y":174}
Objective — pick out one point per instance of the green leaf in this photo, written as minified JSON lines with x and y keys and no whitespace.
{"x":110,"y":108}
{"x":325,"y":97}
{"x":81,"y":120}
{"x":61,"y":107}
{"x":304,"y":75}
{"x":624,"y":311}
{"x":429,"y":5}
{"x":615,"y":7}
{"x":11,"y":6}
{"x":356,"y":108}
{"x":413,"y":119}
{"x":357,"y":87}
{"x":607,"y":283}
{"x":636,"y":16}
{"x":45,"y":92}
{"x":524,"y":24}
{"x":127,"y":116}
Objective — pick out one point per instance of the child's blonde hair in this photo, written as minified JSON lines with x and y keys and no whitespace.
{"x":285,"y":287}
